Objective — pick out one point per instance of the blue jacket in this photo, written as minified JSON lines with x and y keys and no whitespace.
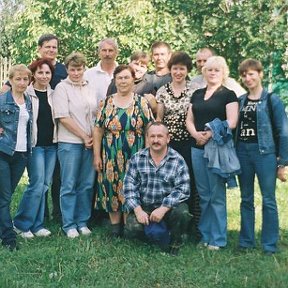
{"x":9,"y":117}
{"x":264,"y":127}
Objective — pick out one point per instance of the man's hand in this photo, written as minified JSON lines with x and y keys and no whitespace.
{"x":1,"y":130}
{"x":281,"y":174}
{"x":158,"y":214}
{"x":141,"y":216}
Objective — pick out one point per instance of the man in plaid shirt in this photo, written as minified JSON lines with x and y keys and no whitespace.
{"x":155,"y":187}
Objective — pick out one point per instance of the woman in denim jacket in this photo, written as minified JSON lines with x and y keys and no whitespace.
{"x":15,"y":143}
{"x":262,"y":148}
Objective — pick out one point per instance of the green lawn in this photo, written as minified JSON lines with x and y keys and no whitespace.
{"x":98,"y":261}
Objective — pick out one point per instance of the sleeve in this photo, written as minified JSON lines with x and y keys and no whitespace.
{"x":181,"y":189}
{"x":60,"y":102}
{"x":160,"y":98}
{"x":147,"y":114}
{"x":131,"y":186}
{"x":280,"y":124}
{"x":231,"y":97}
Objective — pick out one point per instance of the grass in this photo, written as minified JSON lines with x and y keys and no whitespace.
{"x":99,"y":261}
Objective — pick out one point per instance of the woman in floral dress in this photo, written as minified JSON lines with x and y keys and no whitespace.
{"x":118,"y":134}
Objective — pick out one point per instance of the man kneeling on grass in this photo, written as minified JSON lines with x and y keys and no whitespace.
{"x":155,"y":188}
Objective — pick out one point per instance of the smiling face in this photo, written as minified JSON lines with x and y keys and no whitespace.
{"x":139,"y":67}
{"x":42,"y":76}
{"x":179,"y":73}
{"x":214,"y":75}
{"x":75,"y":73}
{"x":49,"y":50}
{"x":124,"y":82}
{"x":252,"y":79}
{"x":160,"y":57}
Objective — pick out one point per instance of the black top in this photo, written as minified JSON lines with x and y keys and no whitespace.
{"x":205,"y":111}
{"x":248,"y":122}
{"x":45,"y":125}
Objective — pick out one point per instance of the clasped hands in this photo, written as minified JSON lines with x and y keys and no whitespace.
{"x":156,"y":215}
{"x":202,"y":137}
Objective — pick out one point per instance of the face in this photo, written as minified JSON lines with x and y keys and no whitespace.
{"x":42,"y":75}
{"x":139,"y":68}
{"x":179,"y":73}
{"x":124,"y":82}
{"x":160,"y":57}
{"x":214,"y":75}
{"x":107,"y":53}
{"x":19,"y":82}
{"x":201,"y":59}
{"x":158,"y":138}
{"x":252,"y":79}
{"x":49,"y":49}
{"x":76,"y":73}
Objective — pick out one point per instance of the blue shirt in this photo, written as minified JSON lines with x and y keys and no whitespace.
{"x":167,"y":184}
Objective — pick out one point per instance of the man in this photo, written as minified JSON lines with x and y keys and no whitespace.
{"x":48,"y":48}
{"x":101,"y":75}
{"x":198,"y":81}
{"x":155,"y":187}
{"x":161,"y":53}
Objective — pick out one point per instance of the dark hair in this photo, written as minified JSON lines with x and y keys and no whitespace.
{"x":121,"y":68}
{"x":38,"y":63}
{"x":250,"y":64}
{"x":156,"y":123}
{"x":47,"y":37}
{"x":141,"y":57}
{"x":159,"y":44}
{"x":182,"y":58}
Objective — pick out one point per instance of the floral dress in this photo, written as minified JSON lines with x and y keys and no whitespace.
{"x":123,"y":137}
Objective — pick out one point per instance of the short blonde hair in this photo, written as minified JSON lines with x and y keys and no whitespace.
{"x":75,"y":59}
{"x":19,"y":68}
{"x":217,"y":62}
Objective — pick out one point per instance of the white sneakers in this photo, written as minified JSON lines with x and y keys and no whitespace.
{"x":42,"y":233}
{"x":29,"y":235}
{"x":26,"y":235}
{"x":213,"y":248}
{"x":84,"y":231}
{"x":73,"y":233}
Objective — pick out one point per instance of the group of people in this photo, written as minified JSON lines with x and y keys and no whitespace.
{"x":155,"y":150}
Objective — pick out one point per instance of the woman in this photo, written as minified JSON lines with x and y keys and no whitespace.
{"x":262,"y":148}
{"x":75,"y":108}
{"x":15,"y":143}
{"x":213,"y":101}
{"x":29,"y":219}
{"x":173,"y":101}
{"x":119,"y":133}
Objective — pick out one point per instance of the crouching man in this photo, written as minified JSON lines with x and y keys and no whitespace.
{"x":155,"y":188}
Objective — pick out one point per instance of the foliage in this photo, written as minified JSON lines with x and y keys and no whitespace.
{"x":99,"y":261}
{"x":236,"y":29}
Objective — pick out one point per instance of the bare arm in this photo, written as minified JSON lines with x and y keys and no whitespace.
{"x":201,"y":137}
{"x":232,"y":114}
{"x":97,"y":141}
{"x":160,"y":111}
{"x":152,"y":102}
{"x":71,"y":125}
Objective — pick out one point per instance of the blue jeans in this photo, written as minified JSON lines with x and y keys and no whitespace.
{"x":11,"y":170}
{"x":77,"y":180}
{"x":212,"y":193}
{"x":30,"y":214}
{"x":265,"y":167}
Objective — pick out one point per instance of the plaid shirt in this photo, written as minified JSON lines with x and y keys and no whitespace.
{"x":147,"y":184}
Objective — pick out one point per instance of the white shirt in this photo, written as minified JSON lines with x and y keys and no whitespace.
{"x":21,"y":143}
{"x":99,"y":81}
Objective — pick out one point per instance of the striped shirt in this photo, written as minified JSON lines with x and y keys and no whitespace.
{"x":167,"y":184}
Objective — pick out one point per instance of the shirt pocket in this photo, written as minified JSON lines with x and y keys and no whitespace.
{"x":7,"y":115}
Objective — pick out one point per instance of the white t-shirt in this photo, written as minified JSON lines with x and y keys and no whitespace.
{"x":21,"y":144}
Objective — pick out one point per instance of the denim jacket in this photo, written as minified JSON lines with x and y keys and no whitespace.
{"x":264,"y":127}
{"x":9,"y":116}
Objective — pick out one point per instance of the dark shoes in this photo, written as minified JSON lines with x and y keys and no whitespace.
{"x":116,"y":230}
{"x":11,"y":246}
